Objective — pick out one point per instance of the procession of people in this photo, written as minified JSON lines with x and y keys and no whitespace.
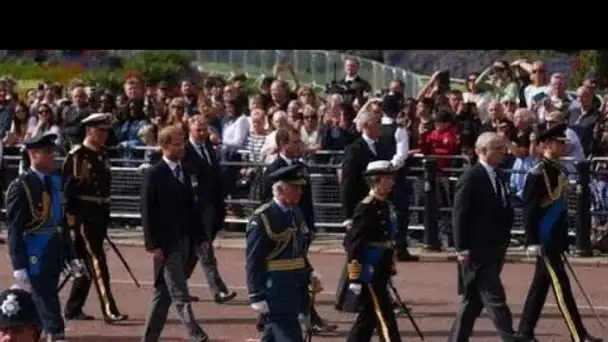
{"x":58,"y":220}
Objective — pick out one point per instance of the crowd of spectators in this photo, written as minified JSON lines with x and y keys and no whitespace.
{"x":517,"y":100}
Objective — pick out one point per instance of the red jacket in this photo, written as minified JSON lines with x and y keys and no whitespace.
{"x":441,"y":143}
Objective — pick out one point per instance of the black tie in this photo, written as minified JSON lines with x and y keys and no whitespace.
{"x":178,"y":173}
{"x":205,"y":153}
{"x":498,"y":185}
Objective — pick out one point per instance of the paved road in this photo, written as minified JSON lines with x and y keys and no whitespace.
{"x":428,"y":286}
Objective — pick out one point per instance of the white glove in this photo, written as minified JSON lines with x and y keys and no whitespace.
{"x":77,"y":268}
{"x":261,"y":307}
{"x":355,"y":288}
{"x":534,"y":250}
{"x":21,"y":277}
{"x":315,"y":276}
{"x":347,"y":224}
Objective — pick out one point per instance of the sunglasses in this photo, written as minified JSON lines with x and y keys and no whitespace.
{"x":539,"y":71}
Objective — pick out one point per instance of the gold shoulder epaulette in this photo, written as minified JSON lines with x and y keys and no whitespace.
{"x":262,"y":208}
{"x":368,"y":199}
{"x":75,"y":148}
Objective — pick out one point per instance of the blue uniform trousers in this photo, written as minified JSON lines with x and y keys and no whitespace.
{"x":46,"y":298}
{"x":282,"y":327}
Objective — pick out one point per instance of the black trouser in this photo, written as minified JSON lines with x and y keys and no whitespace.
{"x":377,"y":313}
{"x":550,"y":272}
{"x":89,"y":247}
{"x":482,"y":288}
{"x":401,"y":197}
{"x":342,"y":286}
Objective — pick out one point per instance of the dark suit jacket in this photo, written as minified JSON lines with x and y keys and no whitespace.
{"x":305,"y":201}
{"x":210,"y":195}
{"x":168,"y":210}
{"x":481,"y":224}
{"x":356,"y":157}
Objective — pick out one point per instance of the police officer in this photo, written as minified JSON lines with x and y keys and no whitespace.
{"x":19,"y":320}
{"x":546,"y":226}
{"x":86,"y":184}
{"x":36,"y":243}
{"x":278,"y":271}
{"x":369,"y":247}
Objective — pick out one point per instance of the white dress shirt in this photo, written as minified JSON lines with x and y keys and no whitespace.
{"x":235,"y":132}
{"x":492,"y":174}
{"x":402,"y":140}
{"x":371,"y":143}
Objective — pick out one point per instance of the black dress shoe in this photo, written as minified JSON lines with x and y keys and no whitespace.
{"x":113,"y":319}
{"x":590,"y":338}
{"x":322,"y":327}
{"x":81,"y":316}
{"x":194,"y":299}
{"x":223,"y":297}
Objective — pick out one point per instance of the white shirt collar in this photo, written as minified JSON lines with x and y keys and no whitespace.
{"x":367,"y":139}
{"x":490,"y":170}
{"x":287,"y":160}
{"x":172,"y":164}
{"x":349,"y":78}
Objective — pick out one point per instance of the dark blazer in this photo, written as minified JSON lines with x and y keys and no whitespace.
{"x":356,"y":157}
{"x":481,"y":224}
{"x":168,"y":210}
{"x":209,"y":192}
{"x":305,"y":201}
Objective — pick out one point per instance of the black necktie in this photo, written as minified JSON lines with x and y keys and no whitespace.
{"x":178,"y":173}
{"x":205,"y":153}
{"x":498,"y":185}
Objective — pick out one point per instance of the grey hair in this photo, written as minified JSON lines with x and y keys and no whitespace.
{"x":364,"y":118}
{"x":526,"y":114}
{"x":275,"y":188}
{"x":485,"y":140}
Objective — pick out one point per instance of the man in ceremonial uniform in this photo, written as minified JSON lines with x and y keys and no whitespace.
{"x":546,"y":226}
{"x":86,"y":186}
{"x":289,"y":145}
{"x":278,"y":271}
{"x":19,"y":320}
{"x":36,"y":242}
{"x":369,"y":247}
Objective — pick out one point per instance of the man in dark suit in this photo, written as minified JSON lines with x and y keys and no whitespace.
{"x":482,"y":220}
{"x":353,"y":188}
{"x":172,"y":227}
{"x":289,"y":146}
{"x":210,"y":201}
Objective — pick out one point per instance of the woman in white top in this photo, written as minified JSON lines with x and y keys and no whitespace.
{"x":474,"y":95}
{"x":44,"y":124}
{"x":538,"y":76}
{"x":21,"y":120}
{"x":309,"y":132}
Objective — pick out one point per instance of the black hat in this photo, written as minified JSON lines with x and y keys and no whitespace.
{"x":101,"y":120}
{"x":294,"y":174}
{"x":17,"y":309}
{"x":554,"y":133}
{"x":379,"y":167}
{"x":40,"y":141}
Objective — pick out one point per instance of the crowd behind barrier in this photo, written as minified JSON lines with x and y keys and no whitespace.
{"x":427,"y":187}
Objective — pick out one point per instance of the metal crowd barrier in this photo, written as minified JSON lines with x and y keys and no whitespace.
{"x":429,"y":201}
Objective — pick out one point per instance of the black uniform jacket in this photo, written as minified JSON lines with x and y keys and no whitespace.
{"x":481,"y":221}
{"x":168,"y":210}
{"x":86,"y":179}
{"x":369,"y":243}
{"x":546,"y":207}
{"x":356,"y":157}
{"x":305,"y":205}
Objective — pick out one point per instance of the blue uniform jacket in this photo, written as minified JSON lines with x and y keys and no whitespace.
{"x":33,"y":215}
{"x":276,"y":265}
